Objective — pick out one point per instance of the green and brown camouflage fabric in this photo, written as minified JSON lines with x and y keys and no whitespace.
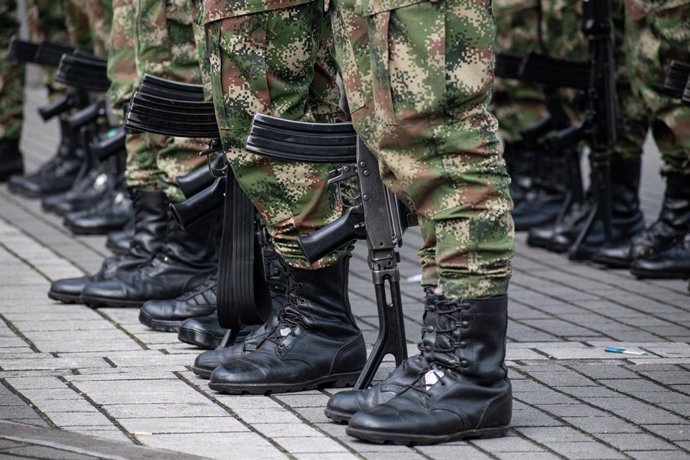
{"x":11,"y":76}
{"x":278,"y":62}
{"x":164,"y":46}
{"x":517,"y":105}
{"x":418,"y":77}
{"x":656,"y":33}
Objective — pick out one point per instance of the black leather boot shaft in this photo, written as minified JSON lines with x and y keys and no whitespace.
{"x":670,"y":263}
{"x":168,"y":315}
{"x":315,"y":341}
{"x":113,"y":212}
{"x":57,"y":174}
{"x":672,"y":224}
{"x":465,"y":393}
{"x":185,"y":261}
{"x":11,"y":162}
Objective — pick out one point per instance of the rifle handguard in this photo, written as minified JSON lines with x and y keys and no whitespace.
{"x":348,"y":227}
{"x":22,"y":50}
{"x":49,"y":54}
{"x":556,"y":73}
{"x":302,"y":141}
{"x":200,"y":205}
{"x":508,"y":65}
{"x":677,"y":78}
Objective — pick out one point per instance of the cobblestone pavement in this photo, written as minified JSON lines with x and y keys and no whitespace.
{"x":103,"y":375}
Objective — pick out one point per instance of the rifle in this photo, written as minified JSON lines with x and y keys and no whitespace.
{"x":379,"y":217}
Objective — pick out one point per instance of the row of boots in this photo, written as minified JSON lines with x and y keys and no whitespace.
{"x":456,"y":388}
{"x":549,"y":205}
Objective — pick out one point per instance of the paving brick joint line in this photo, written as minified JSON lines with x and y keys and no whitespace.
{"x":100,"y":375}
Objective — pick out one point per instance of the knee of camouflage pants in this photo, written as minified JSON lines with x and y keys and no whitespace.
{"x":418,"y":78}
{"x":279,"y":63}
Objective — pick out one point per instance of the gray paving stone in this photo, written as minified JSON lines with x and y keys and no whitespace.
{"x":584,"y":450}
{"x":168,"y":425}
{"x":303,"y":444}
{"x":635,"y":441}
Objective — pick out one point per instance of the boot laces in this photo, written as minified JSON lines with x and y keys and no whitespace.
{"x":290,"y":317}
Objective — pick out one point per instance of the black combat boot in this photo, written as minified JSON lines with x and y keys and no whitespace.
{"x":669,"y":228}
{"x":185,"y":261}
{"x":205,"y":333}
{"x":113,"y":212}
{"x":11,"y":162}
{"x":543,"y":202}
{"x":150,"y":224}
{"x":168,"y":315}
{"x":56,"y":175}
{"x":465,"y":393}
{"x":119,"y":240}
{"x":626,"y":216}
{"x":520,"y":165}
{"x":315,"y":342}
{"x":670,"y":263}
{"x":87,"y":190}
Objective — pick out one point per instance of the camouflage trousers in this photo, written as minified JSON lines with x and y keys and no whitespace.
{"x":418,"y":77}
{"x":11,"y":76}
{"x":277,"y":62}
{"x":658,"y":32}
{"x":163,"y":46}
{"x":516,"y":104}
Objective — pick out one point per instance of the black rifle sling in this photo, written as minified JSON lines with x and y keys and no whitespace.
{"x":243,"y":296}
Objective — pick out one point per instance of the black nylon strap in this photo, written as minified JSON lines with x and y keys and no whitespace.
{"x":243,"y":295}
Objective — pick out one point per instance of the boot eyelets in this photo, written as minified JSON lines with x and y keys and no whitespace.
{"x":464,"y":324}
{"x":430,"y":329}
{"x":463,"y":344}
{"x":463,"y":363}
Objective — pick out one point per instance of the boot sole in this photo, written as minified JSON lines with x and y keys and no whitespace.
{"x":159,"y":324}
{"x":93,"y":231}
{"x":336,"y":381}
{"x":644,"y":274}
{"x":100,"y":302}
{"x":201,"y":372}
{"x":338,"y":416}
{"x":64,"y":298}
{"x":409,"y":439}
{"x":610,"y":262}
{"x":198,"y":338}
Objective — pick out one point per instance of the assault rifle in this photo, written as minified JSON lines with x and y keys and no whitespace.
{"x":378,"y":217}
{"x":179,"y":109}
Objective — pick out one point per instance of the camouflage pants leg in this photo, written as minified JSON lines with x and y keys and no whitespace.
{"x":279,"y":63}
{"x":418,"y":79}
{"x":655,"y":34}
{"x":164,"y":46}
{"x":11,"y":76}
{"x":516,"y":104}
{"x":88,"y":24}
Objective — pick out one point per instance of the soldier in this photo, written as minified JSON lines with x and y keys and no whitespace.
{"x":562,"y":27}
{"x":278,"y":59}
{"x":657,"y":33}
{"x":11,"y":96}
{"x":418,"y":79}
{"x":163,"y":261}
